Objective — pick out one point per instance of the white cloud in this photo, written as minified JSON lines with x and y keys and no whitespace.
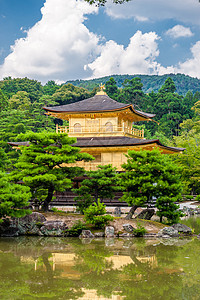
{"x":179,"y":31}
{"x":191,"y":66}
{"x":60,"y":47}
{"x":141,"y":19}
{"x":138,"y":58}
{"x":56,"y":47}
{"x":184,"y":11}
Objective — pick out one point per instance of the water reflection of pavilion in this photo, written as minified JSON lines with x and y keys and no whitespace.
{"x":63,"y":266}
{"x":66,"y":261}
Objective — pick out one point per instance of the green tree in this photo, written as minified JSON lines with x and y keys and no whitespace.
{"x":96,"y":214}
{"x":69,"y":93}
{"x":50,"y":88}
{"x":151,"y":174}
{"x":168,"y":86}
{"x":132,"y":92}
{"x":20,"y":101}
{"x":190,"y":159}
{"x":13,"y":198}
{"x":169,"y":109}
{"x":3,"y":159}
{"x":100,"y":184}
{"x":3,"y":101}
{"x":44,"y":164}
{"x":11,"y":86}
{"x":112,"y":89}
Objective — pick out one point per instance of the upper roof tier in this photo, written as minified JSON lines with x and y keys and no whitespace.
{"x":97,"y":104}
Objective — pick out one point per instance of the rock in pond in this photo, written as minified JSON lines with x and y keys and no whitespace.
{"x":28,"y":225}
{"x":99,"y":234}
{"x":53,"y":228}
{"x":86,"y":234}
{"x":109,"y":231}
{"x":182,"y":228}
{"x":168,"y":232}
{"x":35,"y":224}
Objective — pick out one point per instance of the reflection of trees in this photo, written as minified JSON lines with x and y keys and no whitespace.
{"x":93,"y":259}
{"x":96,"y":271}
{"x":144,"y":278}
{"x":18,"y":280}
{"x":138,"y":280}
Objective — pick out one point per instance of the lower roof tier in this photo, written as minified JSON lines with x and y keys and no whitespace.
{"x":121,"y":142}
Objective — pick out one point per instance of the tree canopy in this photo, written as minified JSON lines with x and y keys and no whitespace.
{"x":99,"y":184}
{"x":151,"y":175}
{"x":45,"y":163}
{"x":13,"y":198}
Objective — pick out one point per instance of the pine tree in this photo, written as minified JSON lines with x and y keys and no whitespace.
{"x":100,"y":184}
{"x":13,"y":198}
{"x":151,"y":174}
{"x":45,"y":163}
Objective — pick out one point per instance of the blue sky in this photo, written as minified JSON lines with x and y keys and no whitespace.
{"x":68,"y":39}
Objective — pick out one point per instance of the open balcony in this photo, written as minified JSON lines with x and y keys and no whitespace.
{"x":106,"y":130}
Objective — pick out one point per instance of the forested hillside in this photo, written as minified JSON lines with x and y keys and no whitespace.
{"x":183,"y":83}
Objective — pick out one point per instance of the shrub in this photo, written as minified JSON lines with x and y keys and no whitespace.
{"x":83,"y":203}
{"x":197,"y":198}
{"x":139,"y":231}
{"x":76,"y":229}
{"x":95,"y":214}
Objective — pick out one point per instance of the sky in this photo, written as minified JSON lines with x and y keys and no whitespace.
{"x":69,"y":39}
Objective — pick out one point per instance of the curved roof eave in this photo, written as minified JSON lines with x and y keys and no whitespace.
{"x":130,"y":106}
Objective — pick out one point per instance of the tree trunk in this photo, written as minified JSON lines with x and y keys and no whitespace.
{"x":49,"y":271}
{"x":131,"y":212}
{"x":96,"y":197}
{"x":45,"y":205}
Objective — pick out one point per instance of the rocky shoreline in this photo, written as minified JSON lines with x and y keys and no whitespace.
{"x":36,"y":224}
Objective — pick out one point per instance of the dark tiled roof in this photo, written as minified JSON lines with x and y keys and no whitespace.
{"x":110,"y":142}
{"x":95,"y":104}
{"x":119,"y":141}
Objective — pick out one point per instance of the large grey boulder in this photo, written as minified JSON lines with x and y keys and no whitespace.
{"x":53,"y":228}
{"x":28,"y":225}
{"x":99,"y":234}
{"x":182,"y":228}
{"x":35,"y":217}
{"x":86,"y":234}
{"x":109,"y":231}
{"x":128,"y":227}
{"x":168,"y":232}
{"x":9,"y":231}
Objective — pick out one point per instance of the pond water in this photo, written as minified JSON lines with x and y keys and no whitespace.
{"x":68,"y":268}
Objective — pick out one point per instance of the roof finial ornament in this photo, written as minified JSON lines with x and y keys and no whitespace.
{"x":102,"y":88}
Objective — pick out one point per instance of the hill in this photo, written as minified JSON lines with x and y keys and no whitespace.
{"x":183,"y":83}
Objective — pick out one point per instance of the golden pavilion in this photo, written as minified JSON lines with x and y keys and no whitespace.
{"x":105,"y":129}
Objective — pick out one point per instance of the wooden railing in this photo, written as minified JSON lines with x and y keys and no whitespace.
{"x":92,"y":166}
{"x":102,"y":130}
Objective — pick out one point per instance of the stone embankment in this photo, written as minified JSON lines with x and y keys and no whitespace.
{"x":36,"y":224}
{"x":33,"y":224}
